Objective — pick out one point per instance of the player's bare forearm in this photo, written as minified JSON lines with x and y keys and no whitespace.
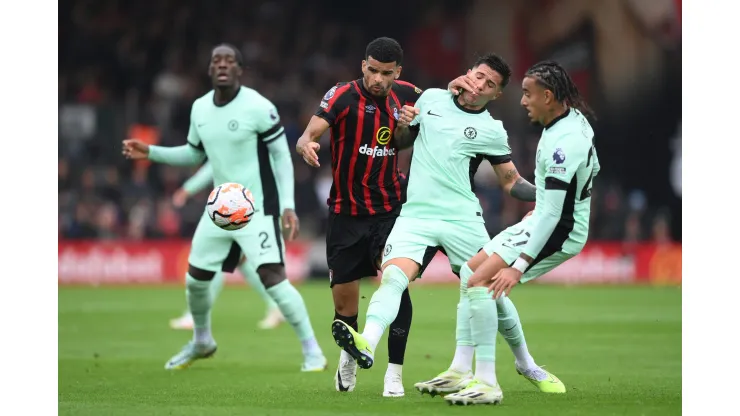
{"x":404,"y":137}
{"x":513,"y":184}
{"x":316,"y":128}
{"x":523,"y":190}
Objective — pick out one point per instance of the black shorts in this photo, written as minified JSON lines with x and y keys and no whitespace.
{"x":354,"y":246}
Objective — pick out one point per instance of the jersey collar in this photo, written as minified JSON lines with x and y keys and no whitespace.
{"x":558,"y":118}
{"x":467,"y":110}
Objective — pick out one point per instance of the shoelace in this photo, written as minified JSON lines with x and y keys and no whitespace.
{"x":537,"y":374}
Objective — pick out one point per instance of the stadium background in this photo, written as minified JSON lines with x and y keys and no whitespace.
{"x":132,"y":69}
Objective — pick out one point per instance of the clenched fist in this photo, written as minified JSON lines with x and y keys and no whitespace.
{"x":408,"y":114}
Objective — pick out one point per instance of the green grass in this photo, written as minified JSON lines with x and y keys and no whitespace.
{"x":618,"y":350}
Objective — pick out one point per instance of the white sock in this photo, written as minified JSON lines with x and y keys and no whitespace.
{"x":485,"y":371}
{"x":345,"y":357}
{"x":372,"y":333}
{"x":524,"y":359}
{"x":394,"y":369}
{"x":310,"y":346}
{"x":463,"y":360}
{"x":202,"y":336}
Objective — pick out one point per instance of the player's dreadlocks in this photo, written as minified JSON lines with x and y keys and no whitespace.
{"x":554,"y":77}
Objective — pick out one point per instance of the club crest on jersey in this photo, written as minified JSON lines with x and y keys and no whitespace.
{"x":330,"y":93}
{"x":470,"y":133}
{"x":559,"y":156}
{"x":233,"y":125}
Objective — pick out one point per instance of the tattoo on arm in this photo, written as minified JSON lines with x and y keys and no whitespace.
{"x":404,"y":137}
{"x":523,"y":190}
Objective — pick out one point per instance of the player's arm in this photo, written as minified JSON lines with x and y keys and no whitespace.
{"x":332,"y":109}
{"x":408,"y":125}
{"x":200,"y":180}
{"x":192,"y":153}
{"x":510,"y":180}
{"x":559,"y":175}
{"x":271,"y":132}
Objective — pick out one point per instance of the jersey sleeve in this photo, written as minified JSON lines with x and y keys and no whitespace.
{"x":563,"y":164}
{"x":408,"y":93}
{"x":269,"y":127}
{"x":496,"y":149}
{"x":193,"y":137}
{"x":334,"y":102}
{"x":423,"y":98}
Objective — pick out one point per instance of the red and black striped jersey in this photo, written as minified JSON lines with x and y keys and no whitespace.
{"x":364,"y":159}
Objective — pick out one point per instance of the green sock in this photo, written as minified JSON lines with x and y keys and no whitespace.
{"x":483,"y":325}
{"x":294,"y":310}
{"x":463,"y":360}
{"x":217,"y":284}
{"x":384,"y":304}
{"x":253,"y":279}
{"x":199,"y":302}
{"x":510,"y":327}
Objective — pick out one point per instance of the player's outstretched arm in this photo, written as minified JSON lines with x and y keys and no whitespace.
{"x":308,"y":145}
{"x":202,"y":179}
{"x":513,"y":184}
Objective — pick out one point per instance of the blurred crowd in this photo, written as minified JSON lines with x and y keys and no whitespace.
{"x":132,"y":68}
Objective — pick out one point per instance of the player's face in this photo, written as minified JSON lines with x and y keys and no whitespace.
{"x":379,"y":76}
{"x":487,"y":83}
{"x":224,"y":69}
{"x":535,"y":99}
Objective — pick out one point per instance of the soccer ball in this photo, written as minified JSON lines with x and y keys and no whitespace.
{"x":230,"y":206}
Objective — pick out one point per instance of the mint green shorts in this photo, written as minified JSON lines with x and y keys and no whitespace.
{"x":214,"y":249}
{"x":509,"y":243}
{"x":412,"y":238}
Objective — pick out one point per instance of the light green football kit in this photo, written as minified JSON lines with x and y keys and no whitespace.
{"x":441,"y":208}
{"x":557,"y":230}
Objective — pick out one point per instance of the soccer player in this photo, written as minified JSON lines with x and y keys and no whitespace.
{"x":239,"y":131}
{"x":366,"y":193}
{"x":455,"y":133}
{"x":273,"y":318}
{"x":566,"y":164}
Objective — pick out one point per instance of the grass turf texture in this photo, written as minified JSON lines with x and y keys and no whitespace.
{"x":617,"y":349}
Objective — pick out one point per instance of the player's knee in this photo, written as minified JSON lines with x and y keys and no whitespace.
{"x":346,"y":297}
{"x":271,"y":274}
{"x":200,"y":274}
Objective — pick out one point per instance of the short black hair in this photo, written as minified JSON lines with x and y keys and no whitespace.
{"x":552,"y":76}
{"x":384,"y":50}
{"x":237,"y":52}
{"x":496,"y":63}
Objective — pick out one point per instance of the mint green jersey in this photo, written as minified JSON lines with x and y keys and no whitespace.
{"x":565,"y":167}
{"x":451,"y":144}
{"x":235,"y":139}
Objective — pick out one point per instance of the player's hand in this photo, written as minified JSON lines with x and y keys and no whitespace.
{"x":504,"y":281}
{"x":291,"y":226}
{"x":408,"y":113}
{"x":135,"y":149}
{"x":179,"y":198}
{"x":463,"y":82}
{"x":528,"y":214}
{"x":308,"y":152}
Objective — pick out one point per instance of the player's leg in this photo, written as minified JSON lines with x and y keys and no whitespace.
{"x":346,"y":256}
{"x":400,"y":328}
{"x":211,"y":247}
{"x":402,"y":257}
{"x":262,"y":243}
{"x":185,"y":321}
{"x":460,"y":240}
{"x":273,"y":317}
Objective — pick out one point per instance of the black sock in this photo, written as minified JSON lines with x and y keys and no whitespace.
{"x":399,"y":330}
{"x":349,"y":320}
